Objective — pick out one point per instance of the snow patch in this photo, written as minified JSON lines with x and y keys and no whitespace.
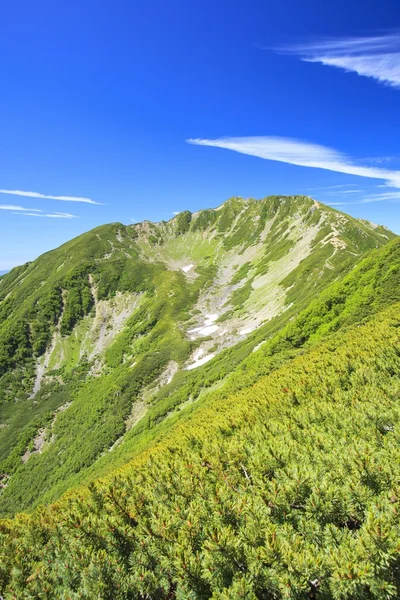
{"x":259,"y":345}
{"x":199,"y":359}
{"x":247,"y":330}
{"x":208,"y":328}
{"x":187,"y":268}
{"x":210,"y":319}
{"x":198,"y":354}
{"x":204,"y":331}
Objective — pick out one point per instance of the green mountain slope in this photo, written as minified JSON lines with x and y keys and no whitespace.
{"x":283,"y":482}
{"x":107,"y":337}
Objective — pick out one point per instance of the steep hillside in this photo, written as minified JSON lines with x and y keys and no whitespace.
{"x":283,"y":482}
{"x":103,"y":340}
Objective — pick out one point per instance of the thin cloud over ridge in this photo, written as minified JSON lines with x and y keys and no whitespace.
{"x":375,"y":56}
{"x":49,"y":196}
{"x":300,"y":153}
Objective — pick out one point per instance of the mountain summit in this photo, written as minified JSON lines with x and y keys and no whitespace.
{"x":106,"y":335}
{"x":204,"y":408}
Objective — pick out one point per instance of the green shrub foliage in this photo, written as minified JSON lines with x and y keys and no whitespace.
{"x":289,"y":489}
{"x":270,"y":472}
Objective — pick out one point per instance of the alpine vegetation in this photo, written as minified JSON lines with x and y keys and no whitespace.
{"x":204,"y":408}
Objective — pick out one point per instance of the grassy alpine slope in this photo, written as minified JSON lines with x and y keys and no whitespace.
{"x":285,"y":485}
{"x":107,"y":337}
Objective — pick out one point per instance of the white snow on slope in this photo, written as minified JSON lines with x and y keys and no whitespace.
{"x":246,"y":331}
{"x":199,"y":359}
{"x":210,"y":319}
{"x":187,"y":268}
{"x":208,"y":328}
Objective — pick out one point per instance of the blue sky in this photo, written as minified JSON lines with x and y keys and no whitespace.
{"x":98,"y":100}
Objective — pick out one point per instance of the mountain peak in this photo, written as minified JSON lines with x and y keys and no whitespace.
{"x":133,"y":310}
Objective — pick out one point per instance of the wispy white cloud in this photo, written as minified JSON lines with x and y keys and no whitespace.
{"x":333,"y":187}
{"x":176,"y":212}
{"x":388,"y":197}
{"x":297,"y":152}
{"x":14,"y":208}
{"x":56,"y":215}
{"x":384,"y":197}
{"x":48,"y":196}
{"x":342,"y":192}
{"x":377,"y":57}
{"x":35,"y":212}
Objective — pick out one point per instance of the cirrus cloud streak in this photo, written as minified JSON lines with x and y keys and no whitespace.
{"x":376,"y":56}
{"x":301,"y":153}
{"x":47,"y":215}
{"x":14,"y":208}
{"x":35,"y":212}
{"x":49,"y":196}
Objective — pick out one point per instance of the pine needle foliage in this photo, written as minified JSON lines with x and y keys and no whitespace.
{"x":288,"y":489}
{"x":270,"y":472}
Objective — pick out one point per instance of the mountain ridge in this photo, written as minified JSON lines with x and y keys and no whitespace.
{"x":204,"y":245}
{"x":230,"y":499}
{"x":148,"y":472}
{"x":106,"y":335}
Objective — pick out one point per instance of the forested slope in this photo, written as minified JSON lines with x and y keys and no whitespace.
{"x":107,"y":339}
{"x":283,"y":482}
{"x":288,"y":489}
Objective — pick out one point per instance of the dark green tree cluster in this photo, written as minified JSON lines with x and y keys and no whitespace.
{"x":46,"y":316}
{"x":78,"y":298}
{"x":15,"y":346}
{"x":183,"y":220}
